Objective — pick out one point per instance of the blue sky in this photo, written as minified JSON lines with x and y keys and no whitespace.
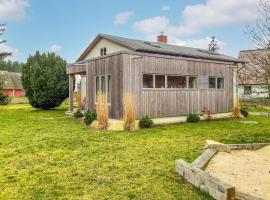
{"x":67,"y":26}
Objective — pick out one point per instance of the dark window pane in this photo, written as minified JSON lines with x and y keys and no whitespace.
{"x":177,"y":82}
{"x":109,"y":89}
{"x":147,"y":81}
{"x":101,"y":51}
{"x":192,"y":82}
{"x":104,"y":51}
{"x":159,"y":81}
{"x":247,"y":90}
{"x":212,"y":83}
{"x":103,"y":85}
{"x":220,"y":83}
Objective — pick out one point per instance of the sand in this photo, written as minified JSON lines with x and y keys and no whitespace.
{"x":248,"y":171}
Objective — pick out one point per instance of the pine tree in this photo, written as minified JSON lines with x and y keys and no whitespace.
{"x":3,"y":54}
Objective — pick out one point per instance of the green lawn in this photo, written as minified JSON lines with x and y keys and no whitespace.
{"x":46,"y":156}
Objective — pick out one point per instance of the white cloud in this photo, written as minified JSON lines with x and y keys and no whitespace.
{"x":13,"y":9}
{"x":123,"y":17}
{"x":166,"y":8}
{"x":6,"y":48}
{"x":214,"y":13}
{"x":152,"y":26}
{"x":55,"y":48}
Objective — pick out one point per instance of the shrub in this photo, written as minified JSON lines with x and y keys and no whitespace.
{"x":45,"y":80}
{"x":244,"y":111}
{"x":102,"y":111}
{"x":146,"y":122}
{"x":4,"y":98}
{"x":78,"y":114}
{"x":89,"y":117}
{"x":193,"y":118}
{"x":129,"y":112}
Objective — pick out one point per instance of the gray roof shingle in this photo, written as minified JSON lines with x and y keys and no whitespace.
{"x":11,"y":80}
{"x":166,"y":49}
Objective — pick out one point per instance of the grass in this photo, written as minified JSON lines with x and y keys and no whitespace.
{"x":46,"y":156}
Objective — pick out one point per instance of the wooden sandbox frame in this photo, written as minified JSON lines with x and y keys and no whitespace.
{"x":194,"y":173}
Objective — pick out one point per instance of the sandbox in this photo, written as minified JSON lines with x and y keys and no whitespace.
{"x":242,"y":173}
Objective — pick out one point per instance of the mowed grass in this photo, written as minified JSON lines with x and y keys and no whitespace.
{"x":44,"y":155}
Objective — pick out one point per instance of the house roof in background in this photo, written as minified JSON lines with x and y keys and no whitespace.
{"x":11,"y":80}
{"x":160,"y":48}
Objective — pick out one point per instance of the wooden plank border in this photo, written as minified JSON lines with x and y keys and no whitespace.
{"x":215,"y":187}
{"x":202,"y":161}
{"x":207,"y":183}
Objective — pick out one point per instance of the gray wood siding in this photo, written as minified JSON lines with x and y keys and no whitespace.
{"x":176,"y":102}
{"x":104,"y":66}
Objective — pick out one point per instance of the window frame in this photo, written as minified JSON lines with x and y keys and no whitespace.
{"x":248,"y":93}
{"x":166,"y":82}
{"x":103,"y":51}
{"x":98,"y":87}
{"x":216,"y":82}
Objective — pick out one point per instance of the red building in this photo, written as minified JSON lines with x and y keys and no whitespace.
{"x":12,"y":83}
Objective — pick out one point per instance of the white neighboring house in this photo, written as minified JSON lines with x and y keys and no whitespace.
{"x":251,"y":84}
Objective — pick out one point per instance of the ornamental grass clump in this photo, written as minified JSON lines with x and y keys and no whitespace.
{"x":102,"y":111}
{"x":129,"y":112}
{"x":237,"y":110}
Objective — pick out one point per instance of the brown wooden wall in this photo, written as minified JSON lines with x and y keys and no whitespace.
{"x":103,"y":66}
{"x":176,"y":102}
{"x":126,"y":72}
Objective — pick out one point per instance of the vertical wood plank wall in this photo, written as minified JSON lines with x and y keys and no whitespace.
{"x":126,"y":75}
{"x":103,"y":66}
{"x":160,"y":103}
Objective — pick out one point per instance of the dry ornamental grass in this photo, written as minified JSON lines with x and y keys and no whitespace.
{"x":102,"y":111}
{"x":129,"y":112}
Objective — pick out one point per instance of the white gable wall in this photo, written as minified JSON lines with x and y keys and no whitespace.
{"x":111,"y":48}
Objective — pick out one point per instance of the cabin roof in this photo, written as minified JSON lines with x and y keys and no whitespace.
{"x":11,"y":80}
{"x":160,"y":48}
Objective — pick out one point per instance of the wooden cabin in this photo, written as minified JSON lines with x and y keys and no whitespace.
{"x":165,"y":80}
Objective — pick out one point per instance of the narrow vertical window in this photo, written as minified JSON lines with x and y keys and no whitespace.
{"x":109,"y":93}
{"x":192,"y":82}
{"x":220,"y":83}
{"x":97,"y":86}
{"x":159,"y":81}
{"x":103,"y":84}
{"x":148,"y":81}
{"x":212,"y":83}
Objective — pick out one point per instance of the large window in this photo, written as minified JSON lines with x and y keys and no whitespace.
{"x":103,"y":85}
{"x":159,"y":81}
{"x":148,"y":81}
{"x":216,"y":83}
{"x":176,"y":81}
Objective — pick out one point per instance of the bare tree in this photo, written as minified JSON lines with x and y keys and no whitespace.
{"x":3,"y":54}
{"x":213,"y":45}
{"x":259,"y":59}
